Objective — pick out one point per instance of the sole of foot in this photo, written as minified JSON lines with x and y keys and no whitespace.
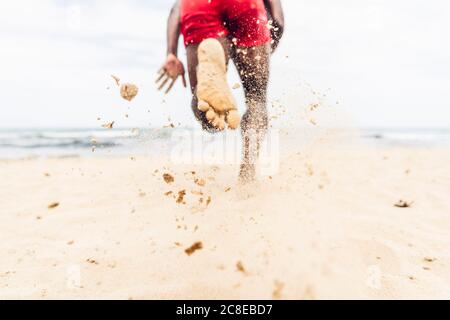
{"x":213,"y":91}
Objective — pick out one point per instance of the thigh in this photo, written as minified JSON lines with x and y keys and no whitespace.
{"x":192,"y":60}
{"x":200,"y":20}
{"x":247,"y":22}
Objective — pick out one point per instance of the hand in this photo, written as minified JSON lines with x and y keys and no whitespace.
{"x":171,"y":70}
{"x":276,"y":31}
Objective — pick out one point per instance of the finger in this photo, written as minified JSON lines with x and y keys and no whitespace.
{"x":161,"y":75}
{"x":164,"y":83}
{"x":171,"y":85}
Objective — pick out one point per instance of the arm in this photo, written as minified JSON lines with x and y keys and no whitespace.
{"x":276,"y":14}
{"x":173,"y":67}
{"x":173,"y":29}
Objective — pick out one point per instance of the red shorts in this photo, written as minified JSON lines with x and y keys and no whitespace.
{"x":243,"y":20}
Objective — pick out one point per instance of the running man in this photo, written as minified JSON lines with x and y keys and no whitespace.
{"x":248,"y":31}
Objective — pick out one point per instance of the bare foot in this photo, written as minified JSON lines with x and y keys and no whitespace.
{"x":213,"y":92}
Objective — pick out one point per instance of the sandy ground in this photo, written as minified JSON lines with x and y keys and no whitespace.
{"x":324,"y":227}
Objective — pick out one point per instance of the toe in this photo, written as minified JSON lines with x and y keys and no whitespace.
{"x":233,"y":119}
{"x":221,"y":125}
{"x":216,"y":122}
{"x":203,"y":106}
{"x":211,"y":115}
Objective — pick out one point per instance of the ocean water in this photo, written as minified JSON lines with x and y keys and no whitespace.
{"x":20,"y":143}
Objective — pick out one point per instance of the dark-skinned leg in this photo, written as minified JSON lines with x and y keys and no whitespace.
{"x":192,"y":61}
{"x":253,"y":67}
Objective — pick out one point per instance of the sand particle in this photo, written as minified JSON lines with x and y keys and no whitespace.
{"x":277,"y":292}
{"x":200,"y":182}
{"x":116,"y":79}
{"x":168,"y":178}
{"x":53,"y":205}
{"x":196,"y":246}
{"x":92,"y":261}
{"x":240,"y":267}
{"x":403,"y":204}
{"x":181,"y":195}
{"x":108,"y":125}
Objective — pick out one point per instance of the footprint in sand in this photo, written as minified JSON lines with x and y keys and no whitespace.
{"x":213,"y":92}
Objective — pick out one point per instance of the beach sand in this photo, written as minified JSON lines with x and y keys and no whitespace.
{"x":325,"y":227}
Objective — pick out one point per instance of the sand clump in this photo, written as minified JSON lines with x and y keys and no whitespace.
{"x":200,"y":182}
{"x":92,"y":261}
{"x":181,"y":195}
{"x":129,"y":91}
{"x":403,"y":204}
{"x":109,"y":125}
{"x":195,"y":247}
{"x":213,"y":92}
{"x":240,"y":267}
{"x":168,"y":178}
{"x":53,"y":205}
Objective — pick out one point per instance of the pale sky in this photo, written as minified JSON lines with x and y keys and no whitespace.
{"x":387,"y":62}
